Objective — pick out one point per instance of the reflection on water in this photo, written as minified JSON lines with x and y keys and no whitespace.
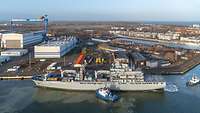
{"x":127,"y":103}
{"x":171,"y":88}
{"x":43,"y":95}
{"x":14,"y":95}
{"x":23,"y":97}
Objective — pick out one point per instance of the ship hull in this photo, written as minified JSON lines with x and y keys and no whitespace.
{"x":93,"y":86}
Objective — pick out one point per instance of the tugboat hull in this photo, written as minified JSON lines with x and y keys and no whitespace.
{"x":194,"y":81}
{"x":191,"y":84}
{"x":112,"y":97}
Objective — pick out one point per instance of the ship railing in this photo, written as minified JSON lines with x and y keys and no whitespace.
{"x":91,"y":82}
{"x":146,"y":82}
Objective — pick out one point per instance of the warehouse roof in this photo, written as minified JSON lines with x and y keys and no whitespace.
{"x":23,"y":32}
{"x":53,"y":43}
{"x":15,"y":50}
{"x":57,"y":42}
{"x":121,"y":55}
{"x":137,"y":56}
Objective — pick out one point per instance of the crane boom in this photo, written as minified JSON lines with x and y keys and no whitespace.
{"x":27,"y":20}
{"x":43,"y":19}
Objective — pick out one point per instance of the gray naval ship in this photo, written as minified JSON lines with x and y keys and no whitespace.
{"x":118,"y":79}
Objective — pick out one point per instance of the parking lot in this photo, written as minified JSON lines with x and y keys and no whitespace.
{"x":31,"y":66}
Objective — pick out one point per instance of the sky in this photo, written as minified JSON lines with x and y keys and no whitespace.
{"x":103,"y":10}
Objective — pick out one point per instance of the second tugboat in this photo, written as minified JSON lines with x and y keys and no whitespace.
{"x":106,"y":94}
{"x":194,"y":81}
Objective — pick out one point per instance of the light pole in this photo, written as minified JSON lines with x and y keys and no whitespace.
{"x":29,"y":60}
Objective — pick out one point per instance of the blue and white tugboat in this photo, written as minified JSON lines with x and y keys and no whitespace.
{"x":194,"y":81}
{"x":106,"y":94}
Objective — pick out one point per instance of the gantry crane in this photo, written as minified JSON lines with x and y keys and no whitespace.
{"x":43,"y":19}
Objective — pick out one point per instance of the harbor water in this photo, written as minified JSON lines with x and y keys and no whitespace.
{"x":24,"y":97}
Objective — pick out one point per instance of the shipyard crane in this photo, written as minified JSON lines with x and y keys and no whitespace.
{"x":43,"y":19}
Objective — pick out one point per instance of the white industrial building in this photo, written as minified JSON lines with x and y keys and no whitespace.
{"x":14,"y":52}
{"x":190,"y":39}
{"x":21,"y":40}
{"x":54,"y":49}
{"x":168,"y":36}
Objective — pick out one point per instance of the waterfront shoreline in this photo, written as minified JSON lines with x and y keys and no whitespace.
{"x":176,"y":69}
{"x":184,"y":45}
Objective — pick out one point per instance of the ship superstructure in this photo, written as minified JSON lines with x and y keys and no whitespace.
{"x":119,"y":79}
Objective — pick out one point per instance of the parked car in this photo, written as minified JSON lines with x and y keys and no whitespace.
{"x":13,"y":69}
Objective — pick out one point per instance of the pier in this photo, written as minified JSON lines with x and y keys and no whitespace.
{"x":178,"y":69}
{"x":15,"y":77}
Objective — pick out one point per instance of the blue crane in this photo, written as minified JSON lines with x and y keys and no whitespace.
{"x":43,"y":19}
